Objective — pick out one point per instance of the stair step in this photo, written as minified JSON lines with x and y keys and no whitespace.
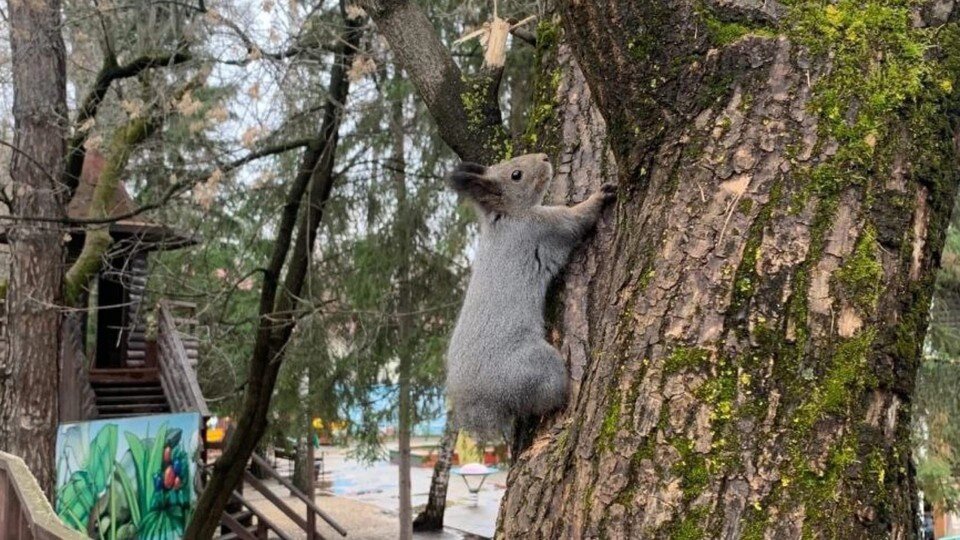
{"x":150,"y":398}
{"x":233,"y":536}
{"x":134,"y":412}
{"x":138,"y":390}
{"x":125,"y":376}
{"x":242,"y":515}
{"x":133,"y":406}
{"x":108,"y":415}
{"x":128,"y":383}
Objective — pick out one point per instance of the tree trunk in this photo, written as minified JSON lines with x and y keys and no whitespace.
{"x":431,"y":518}
{"x":744,"y":333}
{"x":404,"y":306}
{"x":278,"y":300}
{"x":29,"y":374}
{"x":403,"y":441}
{"x":302,"y":467}
{"x":303,"y":460}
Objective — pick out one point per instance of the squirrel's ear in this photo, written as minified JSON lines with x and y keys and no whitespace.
{"x":484,"y":191}
{"x":470,"y":167}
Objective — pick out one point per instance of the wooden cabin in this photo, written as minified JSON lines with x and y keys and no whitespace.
{"x":128,"y":357}
{"x":123,"y":356}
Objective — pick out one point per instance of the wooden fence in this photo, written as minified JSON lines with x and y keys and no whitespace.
{"x":25,"y":513}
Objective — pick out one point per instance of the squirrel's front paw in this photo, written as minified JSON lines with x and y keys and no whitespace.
{"x":608,"y":192}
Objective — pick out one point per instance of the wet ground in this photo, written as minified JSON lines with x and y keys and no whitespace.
{"x":364,"y":499}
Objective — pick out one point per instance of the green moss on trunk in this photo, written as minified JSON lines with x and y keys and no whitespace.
{"x":97,"y":237}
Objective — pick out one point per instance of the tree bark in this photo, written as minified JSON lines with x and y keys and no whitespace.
{"x":744,"y":334}
{"x":29,"y":374}
{"x":431,"y":518}
{"x":97,"y":239}
{"x":404,"y":237}
{"x":302,"y":466}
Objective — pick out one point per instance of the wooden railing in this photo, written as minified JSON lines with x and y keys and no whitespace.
{"x":25,"y":513}
{"x":77,"y":398}
{"x":264,"y":524}
{"x":177,"y":376}
{"x":306,"y":523}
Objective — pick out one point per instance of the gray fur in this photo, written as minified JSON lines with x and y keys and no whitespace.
{"x":499,"y":364}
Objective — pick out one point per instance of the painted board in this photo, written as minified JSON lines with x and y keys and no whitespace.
{"x":126,"y":478}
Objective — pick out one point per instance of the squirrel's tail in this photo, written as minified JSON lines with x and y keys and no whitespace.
{"x":482,"y":422}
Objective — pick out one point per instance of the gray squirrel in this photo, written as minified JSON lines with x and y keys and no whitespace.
{"x":499,"y":364}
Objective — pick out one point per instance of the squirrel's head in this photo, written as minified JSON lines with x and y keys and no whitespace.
{"x":508,"y":187}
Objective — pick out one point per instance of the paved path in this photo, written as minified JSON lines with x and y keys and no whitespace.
{"x":364,"y":500}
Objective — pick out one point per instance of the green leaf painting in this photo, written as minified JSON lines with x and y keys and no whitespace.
{"x":130,"y":477}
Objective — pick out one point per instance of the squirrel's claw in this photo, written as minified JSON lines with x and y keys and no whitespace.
{"x":608,"y":192}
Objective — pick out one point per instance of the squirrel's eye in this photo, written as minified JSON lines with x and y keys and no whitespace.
{"x":517,"y":174}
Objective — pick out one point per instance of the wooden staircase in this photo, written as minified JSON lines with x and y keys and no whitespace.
{"x":118,"y":396}
{"x":244,"y":521}
{"x":160,"y":377}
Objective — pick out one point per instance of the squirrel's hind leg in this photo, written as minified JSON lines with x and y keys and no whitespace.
{"x":541,"y":386}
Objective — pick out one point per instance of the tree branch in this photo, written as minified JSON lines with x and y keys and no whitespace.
{"x":176,"y":188}
{"x":467,"y":116}
{"x":254,"y":51}
{"x":525,"y":35}
{"x":97,"y":240}
{"x":108,"y":73}
{"x":275,"y":324}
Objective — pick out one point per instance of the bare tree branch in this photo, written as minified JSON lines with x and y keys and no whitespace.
{"x":468,"y":116}
{"x":31,"y":159}
{"x":176,"y":188}
{"x":254,"y":51}
{"x":525,"y":35}
{"x":312,"y":187}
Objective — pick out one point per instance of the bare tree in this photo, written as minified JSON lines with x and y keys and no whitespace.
{"x":283,"y":281}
